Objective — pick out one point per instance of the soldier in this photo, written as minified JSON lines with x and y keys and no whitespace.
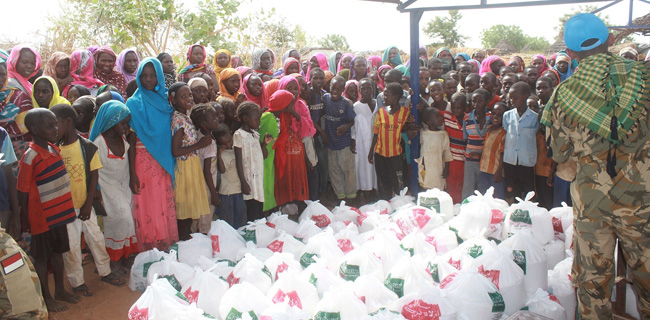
{"x":599,"y":118}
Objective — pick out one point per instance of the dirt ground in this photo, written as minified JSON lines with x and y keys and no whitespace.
{"x":107,"y":303}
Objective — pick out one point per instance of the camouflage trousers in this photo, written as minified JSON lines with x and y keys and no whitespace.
{"x":598,"y":223}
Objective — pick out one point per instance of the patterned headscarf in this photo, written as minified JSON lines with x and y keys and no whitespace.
{"x":194,"y":67}
{"x":81,"y":69}
{"x":569,"y":71}
{"x":110,"y":114}
{"x":12,"y":61}
{"x":257,"y":61}
{"x":50,"y":67}
{"x":114,"y":77}
{"x":121,"y":59}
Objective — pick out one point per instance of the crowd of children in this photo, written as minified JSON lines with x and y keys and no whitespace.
{"x":135,"y":156}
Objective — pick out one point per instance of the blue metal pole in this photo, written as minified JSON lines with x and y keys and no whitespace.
{"x":415,"y":98}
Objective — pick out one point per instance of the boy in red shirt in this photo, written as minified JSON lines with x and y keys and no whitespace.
{"x":46,"y":203}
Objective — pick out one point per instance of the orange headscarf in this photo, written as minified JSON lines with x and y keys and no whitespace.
{"x":225,"y":75}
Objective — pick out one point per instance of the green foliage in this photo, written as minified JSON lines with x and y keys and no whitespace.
{"x":586,"y":9}
{"x":514,"y":35}
{"x":335,"y":42}
{"x":446,"y":30}
{"x":213,"y":24}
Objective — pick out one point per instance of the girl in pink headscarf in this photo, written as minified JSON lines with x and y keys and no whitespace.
{"x":491,"y":64}
{"x":23,"y":63}
{"x":374,"y":62}
{"x":318,"y":60}
{"x":81,"y":70}
{"x":539,"y":61}
{"x":380,"y":75}
{"x":255,"y":91}
{"x":352,"y":90}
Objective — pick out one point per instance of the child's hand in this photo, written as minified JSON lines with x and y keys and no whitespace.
{"x":475,"y":155}
{"x":245,"y":188}
{"x":498,"y":177}
{"x":326,"y":139}
{"x":445,"y":172}
{"x":84,"y":212}
{"x":371,"y":155}
{"x":353,"y":147}
{"x":341,"y":130}
{"x":14,"y":227}
{"x":134,"y":184}
{"x":308,"y":165}
{"x":215,"y":199}
{"x":205,"y":141}
{"x":267,"y":139}
{"x":550,"y":180}
{"x":241,"y":98}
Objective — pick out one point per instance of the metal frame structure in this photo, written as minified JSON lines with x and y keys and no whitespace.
{"x":415,"y":14}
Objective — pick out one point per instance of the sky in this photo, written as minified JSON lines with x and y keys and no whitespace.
{"x":366,"y":25}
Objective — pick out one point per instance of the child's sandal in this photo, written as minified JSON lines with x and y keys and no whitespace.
{"x":113,"y":279}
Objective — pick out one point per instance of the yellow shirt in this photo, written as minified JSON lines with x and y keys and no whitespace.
{"x":74,"y":164}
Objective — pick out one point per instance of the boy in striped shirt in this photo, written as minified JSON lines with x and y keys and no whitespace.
{"x":386,"y":152}
{"x":474,"y":130}
{"x":46,"y":203}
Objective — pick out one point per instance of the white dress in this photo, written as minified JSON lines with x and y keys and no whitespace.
{"x":252,"y":162}
{"x":119,"y":228}
{"x":362,"y":132}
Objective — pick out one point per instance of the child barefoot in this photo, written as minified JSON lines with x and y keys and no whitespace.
{"x":435,"y":154}
{"x":189,"y":194}
{"x":111,"y":124}
{"x":46,"y":204}
{"x":204,"y":117}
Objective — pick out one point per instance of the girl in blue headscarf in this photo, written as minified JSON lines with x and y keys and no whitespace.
{"x":391,"y":57}
{"x":151,"y":160}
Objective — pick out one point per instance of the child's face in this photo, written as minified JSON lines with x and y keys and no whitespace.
{"x":265,"y":61}
{"x":517,"y":99}
{"x":122,"y":127}
{"x":317,"y":80}
{"x":225,"y":140}
{"x":73,"y":94}
{"x":63,"y":68}
{"x":487,"y":83}
{"x":538,"y":63}
{"x":337,"y":90}
{"x":422,"y":52}
{"x":471,"y":84}
{"x":497,"y":115}
{"x":551,"y":75}
{"x":450,"y":87}
{"x":293,"y":68}
{"x":515,"y":65}
{"x":232,"y":84}
{"x":374,"y":77}
{"x":365,"y":88}
{"x":168,"y":64}
{"x":405,"y":85}
{"x":382,"y":74}
{"x":496,"y":66}
{"x":435,"y":70}
{"x":148,"y":77}
{"x":313,"y":62}
{"x":437,"y":92}
{"x":360,"y":67}
{"x":293,"y":88}
{"x":84,"y":114}
{"x":389,"y":98}
{"x":305,"y":66}
{"x":26,"y":63}
{"x":352,"y":93}
{"x":478,"y":101}
{"x":562,"y":66}
{"x":392,"y":53}
{"x":543,"y":90}
{"x":458,"y":106}
{"x":47,"y":129}
{"x":105,"y":62}
{"x":218,"y":111}
{"x":43,"y":93}
{"x":230,"y":111}
{"x":222,"y":60}
{"x":463,"y":71}
{"x":183,"y":99}
{"x":479,"y":56}
{"x":211,"y":121}
{"x":532,"y":104}
{"x":454,"y":75}
{"x":197,"y":55}
{"x":253,"y":120}
{"x":130,"y":63}
{"x":507,"y":82}
{"x":255,"y":86}
{"x":345,"y":63}
{"x":424,"y":79}
{"x":532,"y":74}
{"x":435,"y":121}
{"x":200,"y":95}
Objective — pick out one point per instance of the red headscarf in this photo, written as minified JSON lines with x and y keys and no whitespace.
{"x":81,"y":70}
{"x":278,"y":102}
{"x":322,"y":63}
{"x":486,"y":65}
{"x":11,"y":67}
{"x":271,"y":86}
{"x":306,"y":126}
{"x":262,"y":100}
{"x":374,"y":62}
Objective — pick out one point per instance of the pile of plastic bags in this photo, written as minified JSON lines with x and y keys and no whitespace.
{"x":391,"y":259}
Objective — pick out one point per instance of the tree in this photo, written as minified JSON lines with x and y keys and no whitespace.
{"x":446,"y":30}
{"x":490,"y":38}
{"x":335,"y":42}
{"x":214,"y":24}
{"x":586,"y":9}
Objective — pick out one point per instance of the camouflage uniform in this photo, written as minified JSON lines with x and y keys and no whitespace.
{"x":20,"y":290}
{"x":606,"y":209}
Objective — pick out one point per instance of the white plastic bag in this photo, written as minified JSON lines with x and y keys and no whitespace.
{"x":546,"y":305}
{"x":159,"y":301}
{"x":476,"y":246}
{"x":281,"y":262}
{"x":190,"y":250}
{"x":373,"y":293}
{"x":425,"y":304}
{"x":439,"y":268}
{"x":473,"y":295}
{"x":340,"y":303}
{"x":259,"y":232}
{"x":530,"y":256}
{"x":348,"y":239}
{"x":360,"y":262}
{"x":439,"y":201}
{"x":243,"y":299}
{"x":280,"y":221}
{"x":385,"y":246}
{"x":413,"y":218}
{"x":286,"y":243}
{"x":140,"y":268}
{"x":307,"y":229}
{"x":177,"y":273}
{"x":260,"y":253}
{"x":283,"y":311}
{"x":297,"y":292}
{"x":402,"y":199}
{"x":221,"y":268}
{"x":322,"y":245}
{"x":407,"y":276}
{"x":562,"y":218}
{"x":527,"y":215}
{"x":506,"y":275}
{"x":206,"y":290}
{"x":371,"y":220}
{"x":416,"y":244}
{"x":253,"y":271}
{"x":443,"y":239}
{"x":226,"y":241}
{"x":383,"y":314}
{"x":554,"y":253}
{"x":559,"y":284}
{"x":381,"y":206}
{"x":345,"y":213}
{"x":318,"y":213}
{"x":321,"y":277}
{"x":480,"y":214}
